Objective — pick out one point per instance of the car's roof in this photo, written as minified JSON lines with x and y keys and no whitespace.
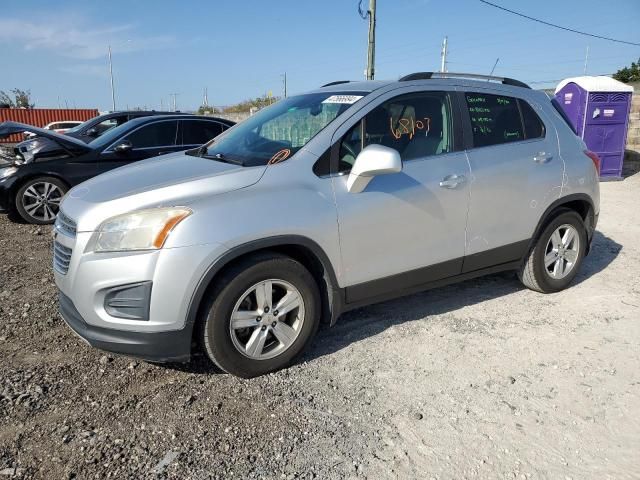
{"x":155,"y":118}
{"x":455,"y":80}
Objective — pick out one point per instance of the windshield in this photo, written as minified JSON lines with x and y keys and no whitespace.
{"x":279,"y":131}
{"x":83,"y":125}
{"x":111,"y":135}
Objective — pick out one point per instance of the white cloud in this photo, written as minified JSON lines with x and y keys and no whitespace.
{"x":74,"y":37}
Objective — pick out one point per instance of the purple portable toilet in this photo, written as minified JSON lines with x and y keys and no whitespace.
{"x":598,"y":108}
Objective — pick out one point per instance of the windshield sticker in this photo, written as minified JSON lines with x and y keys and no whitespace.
{"x":344,"y":99}
{"x":280,"y":156}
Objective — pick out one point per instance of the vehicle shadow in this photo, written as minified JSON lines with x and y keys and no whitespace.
{"x":369,"y":321}
{"x":631,"y":164}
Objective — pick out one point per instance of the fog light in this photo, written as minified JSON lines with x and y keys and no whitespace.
{"x":129,"y":301}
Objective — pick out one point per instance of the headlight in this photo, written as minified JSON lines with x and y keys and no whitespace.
{"x":7,"y":171}
{"x":141,"y":230}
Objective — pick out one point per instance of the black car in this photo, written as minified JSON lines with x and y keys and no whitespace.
{"x":33,"y":188}
{"x":86,"y":131}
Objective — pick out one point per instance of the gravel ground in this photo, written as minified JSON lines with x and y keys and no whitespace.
{"x":480,"y":380}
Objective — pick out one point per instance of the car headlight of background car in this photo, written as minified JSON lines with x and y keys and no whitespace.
{"x":139,"y":230}
{"x":7,"y":172}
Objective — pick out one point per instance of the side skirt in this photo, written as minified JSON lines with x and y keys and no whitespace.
{"x":508,"y":257}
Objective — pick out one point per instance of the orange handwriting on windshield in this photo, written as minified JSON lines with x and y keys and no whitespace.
{"x":408,"y":126}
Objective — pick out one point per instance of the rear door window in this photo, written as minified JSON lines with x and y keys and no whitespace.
{"x":199,"y":132}
{"x":495,"y":119}
{"x":157,"y":134}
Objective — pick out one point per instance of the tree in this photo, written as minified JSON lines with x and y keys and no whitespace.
{"x":629,"y":74}
{"x":21,"y":99}
{"x":255,"y":103}
{"x":206,"y":110}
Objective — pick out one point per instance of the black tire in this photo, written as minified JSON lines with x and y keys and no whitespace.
{"x":46,"y":213}
{"x":534,"y":274}
{"x":215,"y":335}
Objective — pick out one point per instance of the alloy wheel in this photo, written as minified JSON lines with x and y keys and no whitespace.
{"x":561,"y":252}
{"x":41,"y":200}
{"x":267,"y":319}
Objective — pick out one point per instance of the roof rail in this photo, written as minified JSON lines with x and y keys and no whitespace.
{"x":338,"y":82}
{"x":472,"y":76}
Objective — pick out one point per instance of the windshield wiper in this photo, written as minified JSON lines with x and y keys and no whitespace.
{"x":223,"y":158}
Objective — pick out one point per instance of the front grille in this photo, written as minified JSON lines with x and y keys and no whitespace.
{"x":65,"y":225}
{"x":61,"y":257}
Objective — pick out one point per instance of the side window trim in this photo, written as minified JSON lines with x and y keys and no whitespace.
{"x":126,"y":135}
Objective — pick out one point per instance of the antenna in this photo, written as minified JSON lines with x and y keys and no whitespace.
{"x":494,"y":66}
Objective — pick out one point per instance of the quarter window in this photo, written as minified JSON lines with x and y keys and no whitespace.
{"x":533,"y":126}
{"x":494,"y":119}
{"x":416,"y":125}
{"x":158,"y":134}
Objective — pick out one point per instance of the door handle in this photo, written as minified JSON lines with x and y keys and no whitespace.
{"x":452,"y":181}
{"x":542,"y":157}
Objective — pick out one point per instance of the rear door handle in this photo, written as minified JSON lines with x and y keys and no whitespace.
{"x":452,"y":181}
{"x":542,"y":157}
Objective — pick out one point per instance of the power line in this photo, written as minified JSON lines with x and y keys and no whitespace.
{"x":558,"y":26}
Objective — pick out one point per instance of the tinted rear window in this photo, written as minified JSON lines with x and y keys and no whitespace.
{"x":533,"y":126}
{"x":495,"y":119}
{"x":199,"y":132}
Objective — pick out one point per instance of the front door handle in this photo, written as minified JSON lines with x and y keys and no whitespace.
{"x":452,"y":181}
{"x":541,"y":157}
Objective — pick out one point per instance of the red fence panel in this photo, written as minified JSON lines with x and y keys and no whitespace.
{"x":39,"y":117}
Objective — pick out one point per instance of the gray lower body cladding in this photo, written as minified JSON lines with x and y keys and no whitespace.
{"x":169,"y":346}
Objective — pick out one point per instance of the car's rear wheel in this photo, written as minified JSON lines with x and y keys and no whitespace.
{"x":555,"y":259}
{"x":38,"y":200}
{"x":264,"y":312}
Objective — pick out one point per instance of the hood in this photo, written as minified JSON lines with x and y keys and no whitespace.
{"x":9,"y":128}
{"x":170,"y":180}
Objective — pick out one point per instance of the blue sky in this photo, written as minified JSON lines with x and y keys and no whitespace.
{"x":239,"y":49}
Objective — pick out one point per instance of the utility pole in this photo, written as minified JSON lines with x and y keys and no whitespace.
{"x":161,"y":105}
{"x":443,"y":56}
{"x":284,"y":84}
{"x":371,"y":52}
{"x":205,"y":100}
{"x":113,"y":93}
{"x":586,"y":60}
{"x":174,"y":95}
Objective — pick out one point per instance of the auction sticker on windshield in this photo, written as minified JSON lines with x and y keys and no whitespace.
{"x":346,"y":99}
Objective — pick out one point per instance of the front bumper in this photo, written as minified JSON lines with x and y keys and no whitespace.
{"x":168,"y":346}
{"x":6,"y":202}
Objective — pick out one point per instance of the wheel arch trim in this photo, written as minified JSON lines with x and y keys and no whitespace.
{"x":334,"y":293}
{"x":562,"y":202}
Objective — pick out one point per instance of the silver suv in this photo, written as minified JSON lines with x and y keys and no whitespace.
{"x":344,"y":196}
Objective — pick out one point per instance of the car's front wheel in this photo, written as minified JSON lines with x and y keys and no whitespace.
{"x":555,"y":259}
{"x":38,"y":200}
{"x":261,"y":316}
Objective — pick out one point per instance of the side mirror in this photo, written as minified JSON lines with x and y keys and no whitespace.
{"x":92,"y":132}
{"x":373,"y":160}
{"x":123,"y":147}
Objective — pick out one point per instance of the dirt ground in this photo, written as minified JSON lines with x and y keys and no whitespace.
{"x":479,"y":380}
